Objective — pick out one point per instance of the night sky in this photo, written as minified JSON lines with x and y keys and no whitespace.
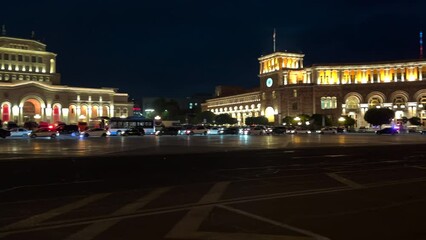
{"x":180,"y":48}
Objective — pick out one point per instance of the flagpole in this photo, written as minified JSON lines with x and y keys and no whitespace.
{"x":274,"y":38}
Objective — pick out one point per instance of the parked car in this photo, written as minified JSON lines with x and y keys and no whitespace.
{"x":20,"y":132}
{"x":184,"y":130}
{"x":30,"y":125}
{"x":68,"y":129}
{"x":11,"y":125}
{"x":138,"y":131}
{"x":94,"y":132}
{"x":44,"y":132}
{"x":388,"y":130}
{"x":4,"y":133}
{"x":230,"y":130}
{"x":167,"y":131}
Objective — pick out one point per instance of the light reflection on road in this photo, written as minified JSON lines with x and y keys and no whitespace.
{"x":135,"y":145}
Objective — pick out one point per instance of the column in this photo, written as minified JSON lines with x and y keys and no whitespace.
{"x":304,"y":77}
{"x":285,"y":78}
{"x":378,"y":75}
{"x":309,"y":77}
{"x":339,"y":77}
{"x":395,"y":75}
{"x":420,"y":73}
{"x":42,"y":114}
{"x":21,"y":115}
{"x":301,"y":63}
{"x":402,"y":74}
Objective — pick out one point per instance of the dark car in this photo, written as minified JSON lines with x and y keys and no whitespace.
{"x":4,"y":133}
{"x":68,"y":129}
{"x":279,"y":130}
{"x":388,"y":130}
{"x":138,"y":131}
{"x":230,"y":130}
{"x":167,"y":131}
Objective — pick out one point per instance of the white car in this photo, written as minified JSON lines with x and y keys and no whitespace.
{"x":213,"y":131}
{"x":44,"y":132}
{"x":94,"y":132}
{"x":20,"y":132}
{"x":197,"y":130}
{"x":328,"y":130}
{"x":258,"y":130}
{"x":302,"y":130}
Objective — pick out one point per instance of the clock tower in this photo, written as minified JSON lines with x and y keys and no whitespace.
{"x":274,"y":75}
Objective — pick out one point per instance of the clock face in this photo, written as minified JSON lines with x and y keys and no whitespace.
{"x":269,"y":82}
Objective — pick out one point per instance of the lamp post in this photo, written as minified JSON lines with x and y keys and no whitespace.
{"x":342,"y":121}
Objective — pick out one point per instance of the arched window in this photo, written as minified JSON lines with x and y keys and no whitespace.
{"x":375,"y":102}
{"x":56,"y":114}
{"x":5,"y":113}
{"x":352,"y":102}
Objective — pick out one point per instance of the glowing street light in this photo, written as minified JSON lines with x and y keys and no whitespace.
{"x":157,"y":117}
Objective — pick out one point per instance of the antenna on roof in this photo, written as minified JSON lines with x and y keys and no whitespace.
{"x":3,"y":30}
{"x":421,"y":44}
{"x":273,"y":36}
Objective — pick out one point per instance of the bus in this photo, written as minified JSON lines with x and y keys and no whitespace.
{"x":117,"y":126}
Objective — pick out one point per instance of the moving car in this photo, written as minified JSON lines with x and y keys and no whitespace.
{"x":20,"y":132}
{"x":167,"y":131}
{"x":302,"y":131}
{"x":279,"y":130}
{"x":138,"y":131}
{"x":388,"y":130}
{"x":328,"y":130}
{"x":197,"y":130}
{"x":44,"y":132}
{"x":4,"y":133}
{"x":94,"y":132}
{"x":257,"y":130}
{"x":230,"y":130}
{"x":72,"y":130}
{"x":213,"y":131}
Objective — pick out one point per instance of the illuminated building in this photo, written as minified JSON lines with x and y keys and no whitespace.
{"x":30,"y":88}
{"x":287,"y":88}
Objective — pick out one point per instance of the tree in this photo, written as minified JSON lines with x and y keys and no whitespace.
{"x":320,"y":120}
{"x":348,"y":122}
{"x":288,"y":120}
{"x":261,"y":120}
{"x":379,"y":116}
{"x":225,"y":119}
{"x":205,"y":117}
{"x":415,"y":121}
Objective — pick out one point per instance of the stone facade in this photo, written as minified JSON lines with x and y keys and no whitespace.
{"x":30,"y":89}
{"x":289,"y":89}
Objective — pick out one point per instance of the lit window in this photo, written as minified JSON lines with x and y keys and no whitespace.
{"x":328,"y":103}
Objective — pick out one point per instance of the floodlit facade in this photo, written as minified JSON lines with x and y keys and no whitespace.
{"x":289,"y":89}
{"x":30,"y":89}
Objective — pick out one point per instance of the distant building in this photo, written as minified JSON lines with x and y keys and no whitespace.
{"x":30,"y":88}
{"x":287,"y":88}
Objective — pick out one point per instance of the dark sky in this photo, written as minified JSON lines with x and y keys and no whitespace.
{"x":177,"y":48}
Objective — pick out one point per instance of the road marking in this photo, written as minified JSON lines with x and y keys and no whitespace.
{"x":93,"y":230}
{"x":193,"y":219}
{"x":187,"y":227}
{"x":36,"y":219}
{"x":273,"y":222}
{"x":321,"y":156}
{"x":419,"y":167}
{"x":345,"y":181}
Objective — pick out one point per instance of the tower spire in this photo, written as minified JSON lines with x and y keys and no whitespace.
{"x":3,"y":30}
{"x":273,"y":37}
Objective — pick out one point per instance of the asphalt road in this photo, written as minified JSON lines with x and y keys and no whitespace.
{"x":248,"y":187}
